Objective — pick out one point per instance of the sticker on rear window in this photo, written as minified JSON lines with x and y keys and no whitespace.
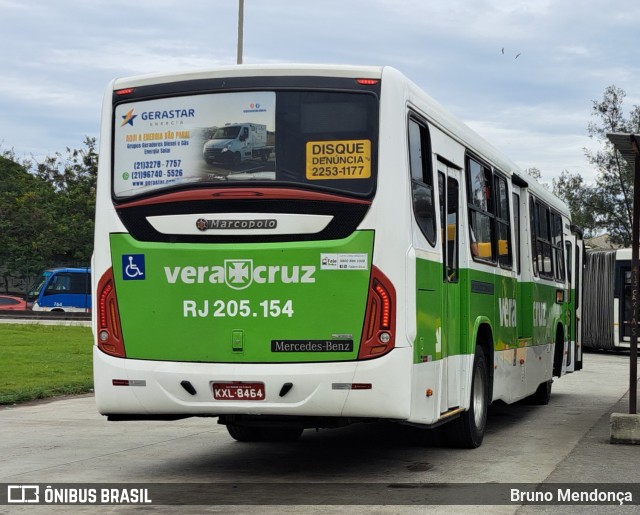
{"x":345,"y":159}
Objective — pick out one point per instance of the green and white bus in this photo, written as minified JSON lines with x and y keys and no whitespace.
{"x":380,"y":262}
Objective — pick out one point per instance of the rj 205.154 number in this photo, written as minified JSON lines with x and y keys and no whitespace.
{"x":271,"y":308}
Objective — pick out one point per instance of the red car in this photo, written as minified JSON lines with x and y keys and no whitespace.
{"x":7,"y":302}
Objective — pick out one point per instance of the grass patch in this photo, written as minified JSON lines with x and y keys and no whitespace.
{"x":40,"y":361}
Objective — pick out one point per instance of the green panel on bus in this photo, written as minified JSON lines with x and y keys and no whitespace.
{"x":544,"y":313}
{"x":249,"y":303}
{"x":447,"y":311}
{"x":429,"y":336}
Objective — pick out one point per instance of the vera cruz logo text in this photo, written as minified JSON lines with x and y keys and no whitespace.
{"x":240,"y":274}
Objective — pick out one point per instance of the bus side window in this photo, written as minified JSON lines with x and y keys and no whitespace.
{"x":449,"y":226}
{"x":569,"y":251}
{"x":79,"y":283}
{"x":516,"y":226}
{"x":541,"y":234}
{"x":481,"y":218}
{"x":452,"y":229}
{"x":503,"y":223}
{"x":558,"y":249}
{"x":58,"y":283}
{"x":443,"y":218}
{"x":533,"y":223}
{"x":421,"y":179}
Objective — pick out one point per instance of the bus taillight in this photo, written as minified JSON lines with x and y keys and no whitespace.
{"x":385,"y":309}
{"x":368,"y":82}
{"x":378,"y":333}
{"x":109,"y":334}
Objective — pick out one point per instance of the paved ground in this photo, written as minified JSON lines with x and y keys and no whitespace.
{"x":66,"y":441}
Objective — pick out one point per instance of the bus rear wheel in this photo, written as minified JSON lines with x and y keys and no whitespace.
{"x":542,"y":395}
{"x":264,"y":434}
{"x":467,"y":432}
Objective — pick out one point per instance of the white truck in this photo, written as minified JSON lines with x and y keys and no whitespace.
{"x":237,"y":142}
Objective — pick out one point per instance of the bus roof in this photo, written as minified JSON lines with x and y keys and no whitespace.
{"x":252,"y":70}
{"x":623,"y":254}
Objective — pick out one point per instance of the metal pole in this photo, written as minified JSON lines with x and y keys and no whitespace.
{"x":240,"y":29}
{"x":633,"y":355}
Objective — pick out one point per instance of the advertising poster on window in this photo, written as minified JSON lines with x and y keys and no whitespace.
{"x":201,"y":138}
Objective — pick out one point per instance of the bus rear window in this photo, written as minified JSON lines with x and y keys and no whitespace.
{"x":314,"y":139}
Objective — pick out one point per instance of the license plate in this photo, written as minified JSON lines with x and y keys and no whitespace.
{"x":238,"y":391}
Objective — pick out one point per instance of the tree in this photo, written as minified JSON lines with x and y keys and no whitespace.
{"x":580,"y":198}
{"x":611,"y":200}
{"x":46,"y":211}
{"x":537,"y":175}
{"x":606,"y":205}
{"x":26,"y":222}
{"x":73,"y":177}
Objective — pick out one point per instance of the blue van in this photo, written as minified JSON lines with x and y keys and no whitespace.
{"x":62,"y":289}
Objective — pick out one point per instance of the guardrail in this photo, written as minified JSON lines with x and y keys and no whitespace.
{"x":43,"y":315}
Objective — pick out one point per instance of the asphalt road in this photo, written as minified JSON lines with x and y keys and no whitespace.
{"x":67,"y":441}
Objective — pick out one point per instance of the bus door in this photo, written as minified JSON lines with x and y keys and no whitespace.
{"x":448,"y":182}
{"x":574,"y":254}
{"x":622,"y":293}
{"x":516,"y":193}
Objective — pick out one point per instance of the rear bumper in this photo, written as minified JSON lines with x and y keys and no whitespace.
{"x":318,"y":388}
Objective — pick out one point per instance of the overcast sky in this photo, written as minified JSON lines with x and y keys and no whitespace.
{"x":58,"y":56}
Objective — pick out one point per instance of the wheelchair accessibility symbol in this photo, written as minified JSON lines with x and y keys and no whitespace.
{"x":133,"y":267}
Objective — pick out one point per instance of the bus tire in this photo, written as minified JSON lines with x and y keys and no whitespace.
{"x":542,"y":396}
{"x":243,"y":433}
{"x":558,"y":353}
{"x":467,"y":431}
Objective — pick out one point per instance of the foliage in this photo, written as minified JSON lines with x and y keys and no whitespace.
{"x":26,"y":220}
{"x":44,"y":361}
{"x":580,"y":198}
{"x":537,"y":175}
{"x":606,"y":205}
{"x":46,"y":211}
{"x":73,"y":178}
{"x":611,"y":198}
